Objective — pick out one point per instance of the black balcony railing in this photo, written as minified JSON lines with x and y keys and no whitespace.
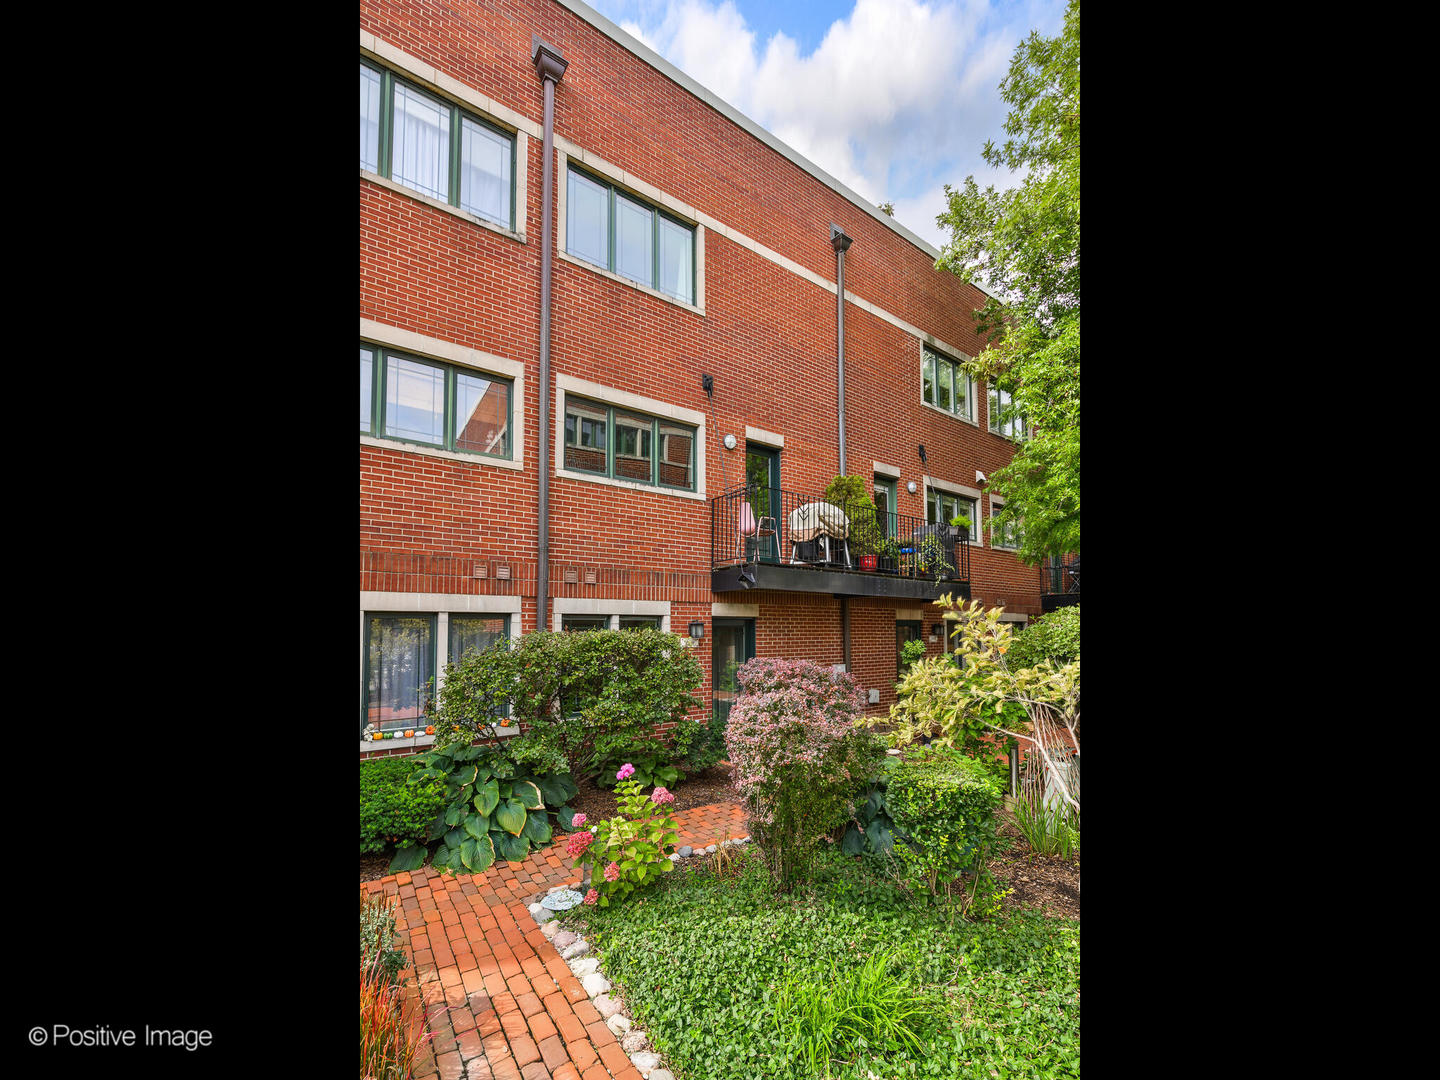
{"x":783,"y":528}
{"x":1059,"y":582}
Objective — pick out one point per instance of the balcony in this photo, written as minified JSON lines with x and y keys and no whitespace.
{"x":1059,"y":583}
{"x":765,"y":538}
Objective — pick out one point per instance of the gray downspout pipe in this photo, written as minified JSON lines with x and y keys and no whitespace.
{"x":550,"y":65}
{"x":840,"y":242}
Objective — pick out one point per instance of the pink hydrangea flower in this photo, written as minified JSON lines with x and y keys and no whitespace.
{"x":591,"y":897}
{"x":578,"y":821}
{"x":660,"y":796}
{"x":577,"y":843}
{"x":626,"y":771}
{"x":612,"y":872}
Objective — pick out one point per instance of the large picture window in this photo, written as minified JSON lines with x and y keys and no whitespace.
{"x":400,"y":661}
{"x":441,"y":405}
{"x":944,"y":385}
{"x":434,"y":147}
{"x":621,"y":444}
{"x":616,"y":231}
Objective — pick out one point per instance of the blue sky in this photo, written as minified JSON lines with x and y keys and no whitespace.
{"x":894,"y":98}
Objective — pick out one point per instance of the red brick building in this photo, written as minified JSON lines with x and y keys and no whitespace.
{"x":692,"y":416}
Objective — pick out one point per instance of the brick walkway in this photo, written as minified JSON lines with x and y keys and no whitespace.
{"x":502,"y":1004}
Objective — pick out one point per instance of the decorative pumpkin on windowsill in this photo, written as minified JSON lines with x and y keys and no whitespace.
{"x":430,"y":729}
{"x":409,"y":733}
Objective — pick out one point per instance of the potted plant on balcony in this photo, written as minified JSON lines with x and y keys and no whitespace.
{"x":962,"y":522}
{"x":849,"y":494}
{"x":932,"y":556}
{"x":887,"y":552}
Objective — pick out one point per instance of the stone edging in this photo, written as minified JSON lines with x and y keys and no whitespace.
{"x":575,"y":951}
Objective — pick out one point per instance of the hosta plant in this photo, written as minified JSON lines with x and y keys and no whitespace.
{"x":492,"y":811}
{"x":648,"y":771}
{"x":629,"y":851}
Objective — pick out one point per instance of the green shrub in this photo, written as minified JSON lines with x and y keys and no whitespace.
{"x":391,"y":810}
{"x":944,"y":805}
{"x":628,"y":851}
{"x":648,"y":767}
{"x":1054,"y":637}
{"x":587,"y":698}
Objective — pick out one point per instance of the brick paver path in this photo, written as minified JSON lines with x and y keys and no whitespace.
{"x":502,"y":1004}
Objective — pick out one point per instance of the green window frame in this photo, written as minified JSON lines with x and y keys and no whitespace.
{"x":945,"y":385}
{"x":454,"y":383}
{"x":594,"y":429}
{"x":625,"y":212}
{"x":457,"y":120}
{"x":1003,"y":419}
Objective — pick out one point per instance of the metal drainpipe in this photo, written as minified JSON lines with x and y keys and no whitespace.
{"x":550,"y":65}
{"x":840,"y":242}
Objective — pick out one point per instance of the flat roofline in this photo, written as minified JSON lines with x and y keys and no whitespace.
{"x":734,"y":115}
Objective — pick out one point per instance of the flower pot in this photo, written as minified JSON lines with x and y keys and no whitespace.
{"x":867,"y":562}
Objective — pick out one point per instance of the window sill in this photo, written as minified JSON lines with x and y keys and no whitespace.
{"x":630,"y":485}
{"x":562,"y":253}
{"x":454,"y":211}
{"x":448,"y":455}
{"x":419,"y":742}
{"x":951,"y":415}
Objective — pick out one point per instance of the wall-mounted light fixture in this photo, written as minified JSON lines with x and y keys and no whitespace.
{"x":979,"y":477}
{"x":910,"y":487}
{"x":697,"y":631}
{"x":729,"y":441}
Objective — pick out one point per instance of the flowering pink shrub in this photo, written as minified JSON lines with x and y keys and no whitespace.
{"x":626,"y":771}
{"x":631,"y":846}
{"x":591,"y":897}
{"x":578,"y":842}
{"x":798,"y":754}
{"x":578,"y":821}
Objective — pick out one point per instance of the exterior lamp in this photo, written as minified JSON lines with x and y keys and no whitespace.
{"x":910,"y":487}
{"x":697,"y":631}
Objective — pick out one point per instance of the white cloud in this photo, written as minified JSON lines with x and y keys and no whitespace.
{"x":896,"y":100}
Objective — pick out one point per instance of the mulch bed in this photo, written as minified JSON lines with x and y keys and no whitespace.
{"x":1046,"y":882}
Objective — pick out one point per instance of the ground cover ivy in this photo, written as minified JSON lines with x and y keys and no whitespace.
{"x":716,"y":968}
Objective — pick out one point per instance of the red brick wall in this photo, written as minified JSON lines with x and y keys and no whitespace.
{"x":768,"y":338}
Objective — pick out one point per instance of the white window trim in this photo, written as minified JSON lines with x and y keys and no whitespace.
{"x":437,"y":82}
{"x":566,"y":385}
{"x":564,"y":151}
{"x":1001,"y":434}
{"x":879,"y":468}
{"x":765,"y":438}
{"x":442,"y":606}
{"x":392,"y":337}
{"x":995,"y":502}
{"x":956,"y":357}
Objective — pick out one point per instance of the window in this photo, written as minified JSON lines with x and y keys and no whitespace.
{"x":585,"y":622}
{"x":614,"y":230}
{"x":944,"y":385}
{"x":1007,"y":536}
{"x":637,"y":622}
{"x":433,"y":404}
{"x":476,"y":632}
{"x":620,"y":443}
{"x":400,"y":661}
{"x":1004,"y":420}
{"x":940,"y":508}
{"x":410,"y":136}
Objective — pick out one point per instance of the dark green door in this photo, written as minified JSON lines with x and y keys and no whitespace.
{"x":732,"y":643}
{"x":762,"y":474}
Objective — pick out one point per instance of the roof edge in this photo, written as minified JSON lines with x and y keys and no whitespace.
{"x":724,"y":108}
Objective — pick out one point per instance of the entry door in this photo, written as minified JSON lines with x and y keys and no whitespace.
{"x":732,"y":643}
{"x":762,"y":472}
{"x":905,"y":630}
{"x":885,"y":506}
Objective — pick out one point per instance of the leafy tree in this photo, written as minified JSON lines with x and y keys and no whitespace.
{"x":1024,"y":245}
